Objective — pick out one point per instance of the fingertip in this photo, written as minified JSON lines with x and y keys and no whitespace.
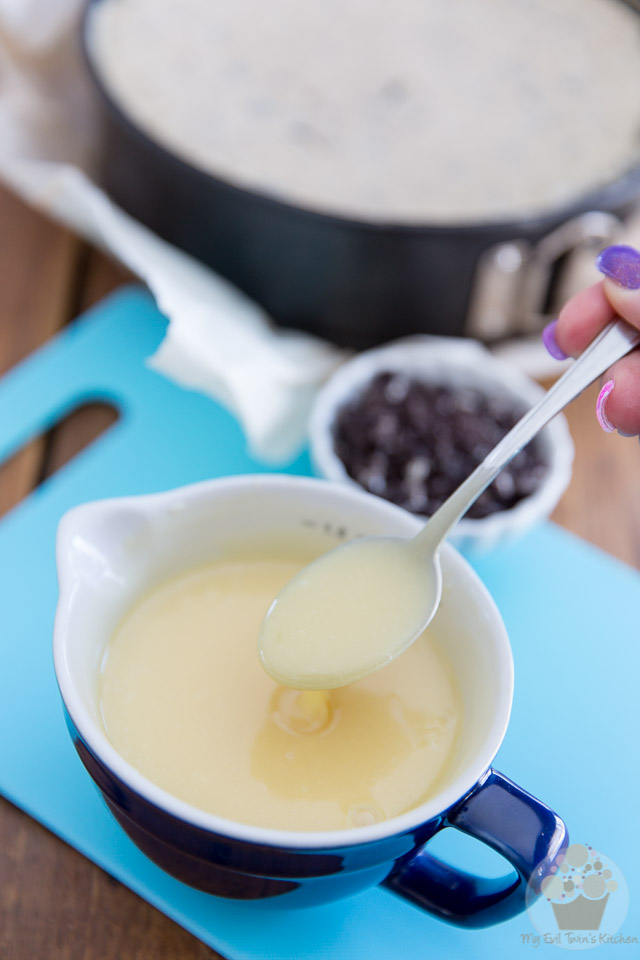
{"x":551,"y":344}
{"x":582,"y":318}
{"x":602,"y":413}
{"x":618,"y":403}
{"x":621,"y":263}
{"x":623,"y":301}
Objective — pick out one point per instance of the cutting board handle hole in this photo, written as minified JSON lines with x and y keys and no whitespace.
{"x":43,"y":456}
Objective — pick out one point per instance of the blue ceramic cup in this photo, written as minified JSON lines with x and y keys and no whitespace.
{"x":111,"y":552}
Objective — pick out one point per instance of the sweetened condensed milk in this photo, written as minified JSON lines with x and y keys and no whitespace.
{"x":186,"y":701}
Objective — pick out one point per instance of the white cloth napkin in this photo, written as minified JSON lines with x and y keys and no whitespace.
{"x":218,"y":341}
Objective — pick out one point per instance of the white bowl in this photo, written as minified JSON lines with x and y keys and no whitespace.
{"x":454,"y":362}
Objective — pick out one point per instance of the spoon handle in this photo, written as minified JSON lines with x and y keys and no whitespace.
{"x":616,"y":340}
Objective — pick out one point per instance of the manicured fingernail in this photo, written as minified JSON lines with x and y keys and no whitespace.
{"x":621,"y":264}
{"x":601,"y":407}
{"x":549,"y":340}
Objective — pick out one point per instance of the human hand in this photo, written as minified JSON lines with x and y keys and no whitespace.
{"x":585,"y":314}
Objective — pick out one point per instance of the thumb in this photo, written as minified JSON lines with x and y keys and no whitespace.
{"x":621,"y":268}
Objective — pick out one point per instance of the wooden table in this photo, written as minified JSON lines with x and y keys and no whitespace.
{"x":54,"y":903}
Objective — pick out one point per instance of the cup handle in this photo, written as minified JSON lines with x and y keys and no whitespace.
{"x":499,"y":813}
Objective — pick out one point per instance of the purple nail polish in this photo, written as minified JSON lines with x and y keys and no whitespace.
{"x":601,"y":403}
{"x":621,"y":264}
{"x":549,"y":340}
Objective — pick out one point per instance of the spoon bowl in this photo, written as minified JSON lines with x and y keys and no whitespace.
{"x":336,"y":597}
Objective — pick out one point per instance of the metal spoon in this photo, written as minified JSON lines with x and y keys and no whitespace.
{"x":357,"y":607}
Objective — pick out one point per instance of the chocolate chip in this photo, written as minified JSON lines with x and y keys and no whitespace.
{"x":397,"y":388}
{"x":417,"y":470}
{"x":414,"y":443}
{"x":505,"y":485}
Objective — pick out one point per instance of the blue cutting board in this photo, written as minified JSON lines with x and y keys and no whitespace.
{"x":572,"y":613}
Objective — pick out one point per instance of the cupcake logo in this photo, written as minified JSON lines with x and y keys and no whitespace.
{"x":579,"y":891}
{"x":581,"y":903}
